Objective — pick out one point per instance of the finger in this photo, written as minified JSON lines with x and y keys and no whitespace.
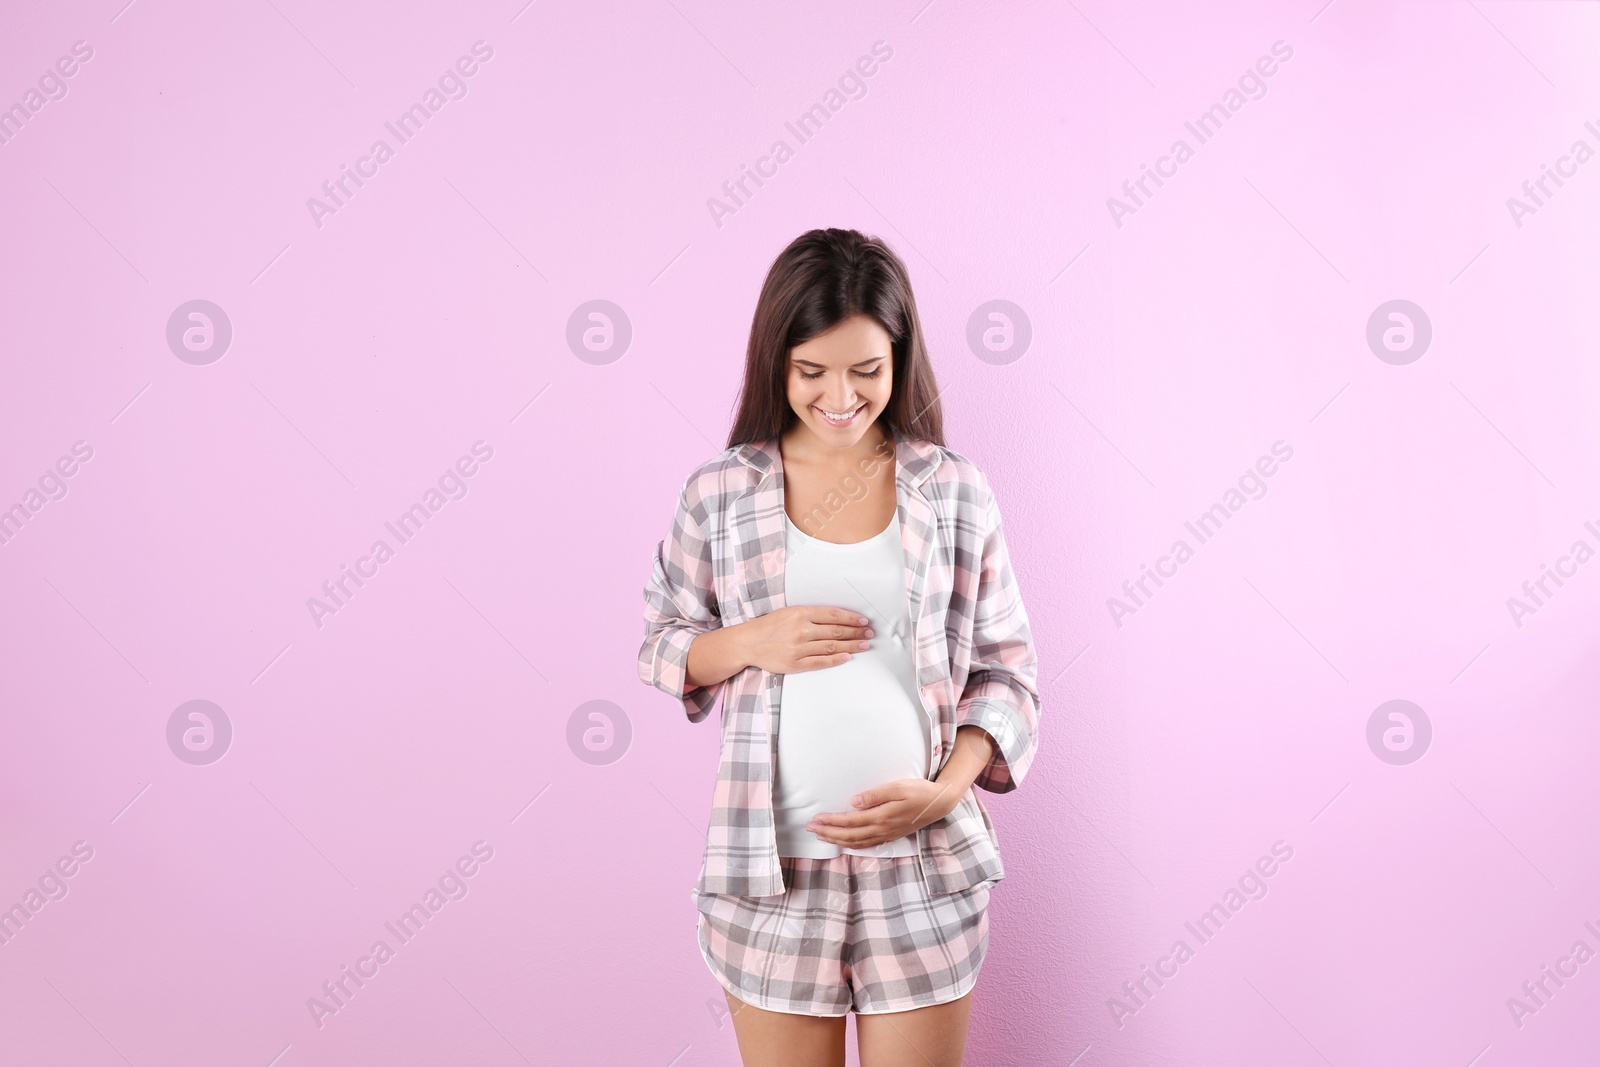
{"x":836,"y":632}
{"x":871,"y":798}
{"x":833,"y":646}
{"x":843,"y":616}
{"x":850,"y":641}
{"x":849,"y":820}
{"x":824,"y":654}
{"x":842,"y":819}
{"x":817,"y":663}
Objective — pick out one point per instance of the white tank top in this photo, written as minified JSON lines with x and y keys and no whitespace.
{"x":857,"y":724}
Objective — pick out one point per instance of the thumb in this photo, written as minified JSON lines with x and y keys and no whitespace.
{"x":864,"y":799}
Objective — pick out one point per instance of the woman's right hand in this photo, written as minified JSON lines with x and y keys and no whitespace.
{"x":805,"y":638}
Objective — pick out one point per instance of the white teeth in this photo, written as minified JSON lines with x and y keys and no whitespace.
{"x":839,"y":418}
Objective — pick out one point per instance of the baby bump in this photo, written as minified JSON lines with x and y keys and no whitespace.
{"x":843,"y":729}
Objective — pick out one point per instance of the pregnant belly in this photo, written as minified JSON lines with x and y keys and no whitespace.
{"x":842,"y":730}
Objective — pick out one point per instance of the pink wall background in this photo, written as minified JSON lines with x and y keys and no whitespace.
{"x":431,"y":311}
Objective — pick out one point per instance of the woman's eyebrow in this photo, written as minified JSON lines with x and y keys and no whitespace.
{"x":863,"y":363}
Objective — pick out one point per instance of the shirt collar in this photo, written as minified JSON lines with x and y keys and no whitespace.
{"x":914,"y":459}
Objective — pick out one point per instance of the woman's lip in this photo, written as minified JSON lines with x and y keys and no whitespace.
{"x":854,"y":412}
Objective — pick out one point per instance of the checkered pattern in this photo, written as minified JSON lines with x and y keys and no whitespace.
{"x":724,"y":564}
{"x":853,"y":933}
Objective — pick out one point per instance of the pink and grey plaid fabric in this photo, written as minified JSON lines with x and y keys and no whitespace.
{"x":853,"y":933}
{"x":724,"y":564}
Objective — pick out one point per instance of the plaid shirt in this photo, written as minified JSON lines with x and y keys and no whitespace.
{"x":975,"y":662}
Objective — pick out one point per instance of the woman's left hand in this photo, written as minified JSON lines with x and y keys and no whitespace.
{"x":886,"y":813}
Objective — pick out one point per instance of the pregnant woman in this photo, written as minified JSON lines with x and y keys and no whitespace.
{"x":838,"y":577}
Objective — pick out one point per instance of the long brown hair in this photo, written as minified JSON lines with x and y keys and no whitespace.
{"x":821,"y":279}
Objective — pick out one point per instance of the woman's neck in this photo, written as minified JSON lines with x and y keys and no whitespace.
{"x":800,"y":446}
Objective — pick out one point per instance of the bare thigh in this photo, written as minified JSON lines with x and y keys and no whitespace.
{"x":779,"y":1039}
{"x":922,"y":1037}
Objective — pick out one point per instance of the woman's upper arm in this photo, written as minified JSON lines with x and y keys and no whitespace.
{"x":680,"y":604}
{"x":1001,"y":694}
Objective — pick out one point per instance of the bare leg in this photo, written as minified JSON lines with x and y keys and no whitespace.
{"x":922,"y":1037}
{"x":778,"y":1039}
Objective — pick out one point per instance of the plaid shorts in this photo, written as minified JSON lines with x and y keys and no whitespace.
{"x":851,"y":933}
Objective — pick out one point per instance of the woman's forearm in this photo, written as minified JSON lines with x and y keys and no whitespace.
{"x":717,"y":655}
{"x":971,"y":752}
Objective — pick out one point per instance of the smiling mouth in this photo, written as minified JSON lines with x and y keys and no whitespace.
{"x":832,"y":420}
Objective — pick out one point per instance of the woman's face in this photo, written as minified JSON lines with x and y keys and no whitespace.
{"x":847,"y":371}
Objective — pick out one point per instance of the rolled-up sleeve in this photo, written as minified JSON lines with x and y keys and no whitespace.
{"x":680,"y":604}
{"x":1001,"y":694}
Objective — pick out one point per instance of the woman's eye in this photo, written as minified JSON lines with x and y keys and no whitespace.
{"x":818,"y":374}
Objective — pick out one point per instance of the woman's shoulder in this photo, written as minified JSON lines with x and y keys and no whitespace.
{"x":714,"y":481}
{"x":955,"y":469}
